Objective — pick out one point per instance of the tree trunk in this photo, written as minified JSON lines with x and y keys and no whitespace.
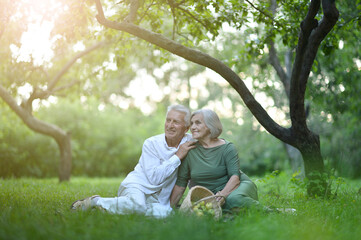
{"x":295,"y":160}
{"x":24,"y":111}
{"x":61,"y":137}
{"x":313,"y":164}
{"x":65,"y":157}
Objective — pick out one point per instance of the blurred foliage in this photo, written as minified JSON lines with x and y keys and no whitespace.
{"x":108,"y":142}
{"x":335,"y":92}
{"x":104,"y":143}
{"x":22,"y":152}
{"x":258,"y":151}
{"x":341,"y":141}
{"x":334,"y":84}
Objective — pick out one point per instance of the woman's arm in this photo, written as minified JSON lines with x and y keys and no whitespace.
{"x":231,"y":185}
{"x":176,"y":195}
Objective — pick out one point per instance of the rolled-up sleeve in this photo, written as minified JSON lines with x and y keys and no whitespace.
{"x":157,"y":170}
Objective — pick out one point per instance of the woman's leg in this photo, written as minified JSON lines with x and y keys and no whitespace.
{"x":245,"y":196}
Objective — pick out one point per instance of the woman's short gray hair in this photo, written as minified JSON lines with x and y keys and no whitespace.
{"x":211,"y":120}
{"x":183,"y":109}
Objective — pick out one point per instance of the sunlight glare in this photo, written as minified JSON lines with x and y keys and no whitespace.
{"x":340,"y":44}
{"x":25,"y":90}
{"x":143,"y":87}
{"x":79,"y":46}
{"x":36,"y":44}
{"x":358,"y":63}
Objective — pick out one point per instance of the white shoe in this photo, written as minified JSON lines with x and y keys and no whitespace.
{"x":287,"y":210}
{"x":83,"y":204}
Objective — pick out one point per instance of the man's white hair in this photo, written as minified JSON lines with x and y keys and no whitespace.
{"x":183,"y":109}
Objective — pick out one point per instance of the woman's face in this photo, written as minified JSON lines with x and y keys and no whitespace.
{"x":199,"y":129}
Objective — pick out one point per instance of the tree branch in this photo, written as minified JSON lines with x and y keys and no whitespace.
{"x":266,"y":14}
{"x":43,"y":94}
{"x":33,"y":123}
{"x":57,"y":77}
{"x":203,"y":59}
{"x":275,"y":62}
{"x":310,"y":38}
{"x":171,"y":4}
{"x":134,"y":6}
{"x":192,"y":16}
{"x":297,"y":108}
{"x":65,"y":86}
{"x":326,"y":24}
{"x":146,"y":11}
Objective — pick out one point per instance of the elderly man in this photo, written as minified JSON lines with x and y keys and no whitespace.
{"x":146,"y":190}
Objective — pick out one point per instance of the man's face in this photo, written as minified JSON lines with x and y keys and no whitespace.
{"x":174,"y":126}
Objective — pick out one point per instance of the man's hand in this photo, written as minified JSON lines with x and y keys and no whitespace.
{"x":184,"y":149}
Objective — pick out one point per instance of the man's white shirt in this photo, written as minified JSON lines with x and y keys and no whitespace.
{"x":157,"y":169}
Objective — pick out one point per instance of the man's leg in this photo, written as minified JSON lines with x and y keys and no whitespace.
{"x":131,"y":200}
{"x":155,"y":208}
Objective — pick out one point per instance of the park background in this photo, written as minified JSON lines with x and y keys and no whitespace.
{"x":109,"y":92}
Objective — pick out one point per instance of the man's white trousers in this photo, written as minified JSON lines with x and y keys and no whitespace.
{"x":132,"y":200}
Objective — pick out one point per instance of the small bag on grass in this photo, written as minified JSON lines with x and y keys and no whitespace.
{"x":201,"y":201}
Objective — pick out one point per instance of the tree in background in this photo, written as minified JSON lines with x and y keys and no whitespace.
{"x":68,"y":74}
{"x":336,"y":89}
{"x":42,"y":80}
{"x":106,"y":140}
{"x":196,"y":19}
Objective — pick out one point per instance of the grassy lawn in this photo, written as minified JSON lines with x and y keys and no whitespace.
{"x":39,"y":209}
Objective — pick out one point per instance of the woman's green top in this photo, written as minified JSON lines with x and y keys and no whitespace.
{"x":209,"y":167}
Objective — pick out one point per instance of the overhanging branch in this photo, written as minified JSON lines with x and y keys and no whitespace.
{"x":203,"y":59}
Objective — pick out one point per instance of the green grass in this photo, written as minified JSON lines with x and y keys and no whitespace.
{"x":39,"y":209}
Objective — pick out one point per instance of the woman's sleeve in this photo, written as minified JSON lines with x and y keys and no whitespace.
{"x":232,"y":161}
{"x":183,"y":173}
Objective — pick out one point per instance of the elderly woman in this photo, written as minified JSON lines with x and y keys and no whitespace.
{"x":214,"y":164}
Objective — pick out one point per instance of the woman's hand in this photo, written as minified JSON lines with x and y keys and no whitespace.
{"x":221,"y":199}
{"x":231,"y":185}
{"x":176,"y":195}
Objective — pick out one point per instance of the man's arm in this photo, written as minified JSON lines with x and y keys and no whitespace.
{"x":158,"y":170}
{"x":176,"y":195}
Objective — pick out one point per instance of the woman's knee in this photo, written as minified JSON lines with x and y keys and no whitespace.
{"x":240,"y":201}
